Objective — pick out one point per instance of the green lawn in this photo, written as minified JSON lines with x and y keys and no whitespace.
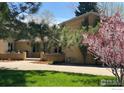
{"x":48,"y":78}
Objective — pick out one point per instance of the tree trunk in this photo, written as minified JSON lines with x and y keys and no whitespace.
{"x":120,"y":79}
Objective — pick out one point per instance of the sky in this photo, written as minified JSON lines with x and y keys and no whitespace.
{"x":61,"y":11}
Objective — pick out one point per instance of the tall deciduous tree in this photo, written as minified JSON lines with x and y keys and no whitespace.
{"x":108,"y":8}
{"x":86,"y":7}
{"x":47,"y":17}
{"x":41,"y":31}
{"x":108,"y":44}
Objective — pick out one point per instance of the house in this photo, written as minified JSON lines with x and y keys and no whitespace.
{"x":23,"y":45}
{"x":3,"y":46}
{"x":91,"y":18}
{"x":19,"y":46}
{"x":74,"y":53}
{"x":14,"y":46}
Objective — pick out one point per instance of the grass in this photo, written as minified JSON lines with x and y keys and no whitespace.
{"x":48,"y":78}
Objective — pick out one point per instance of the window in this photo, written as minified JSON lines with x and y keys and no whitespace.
{"x":58,"y":49}
{"x":10,"y":47}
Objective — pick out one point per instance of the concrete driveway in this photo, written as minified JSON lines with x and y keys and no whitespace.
{"x":30,"y":65}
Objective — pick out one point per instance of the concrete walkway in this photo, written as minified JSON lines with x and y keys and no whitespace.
{"x":28,"y":65}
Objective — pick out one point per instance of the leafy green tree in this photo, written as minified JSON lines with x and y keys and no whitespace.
{"x":39,"y":31}
{"x":11,"y":16}
{"x":85,"y":7}
{"x":54,"y":34}
{"x":65,"y":38}
{"x":69,"y":38}
{"x":4,"y":11}
{"x":21,"y":10}
{"x":23,"y":31}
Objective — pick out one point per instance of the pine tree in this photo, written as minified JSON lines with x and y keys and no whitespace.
{"x":86,"y":7}
{"x":11,"y":15}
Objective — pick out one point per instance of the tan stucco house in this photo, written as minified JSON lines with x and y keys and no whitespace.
{"x":74,"y":24}
{"x":19,"y":46}
{"x":23,"y":45}
{"x":3,"y":46}
{"x":14,"y":46}
{"x":73,"y":52}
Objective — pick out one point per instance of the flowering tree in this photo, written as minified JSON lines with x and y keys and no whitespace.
{"x":108,"y":44}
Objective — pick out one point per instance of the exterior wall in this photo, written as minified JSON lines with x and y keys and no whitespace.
{"x":33,"y":54}
{"x":52,"y":57}
{"x":90,"y":58}
{"x":18,"y":46}
{"x":92,"y":19}
{"x":73,"y":25}
{"x":76,"y":23}
{"x":74,"y":53}
{"x":3,"y":46}
{"x":13,"y":56}
{"x":23,"y":46}
{"x":76,"y":56}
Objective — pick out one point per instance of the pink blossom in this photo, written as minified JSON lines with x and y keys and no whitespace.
{"x":108,"y":43}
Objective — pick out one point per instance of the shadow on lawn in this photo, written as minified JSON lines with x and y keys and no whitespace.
{"x":15,"y":78}
{"x":12,"y":78}
{"x":78,"y":65}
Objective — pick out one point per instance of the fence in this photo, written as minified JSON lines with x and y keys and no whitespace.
{"x":13,"y":56}
{"x":53,"y":57}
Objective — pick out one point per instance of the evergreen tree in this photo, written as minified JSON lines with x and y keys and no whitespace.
{"x":11,"y":15}
{"x":86,"y":7}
